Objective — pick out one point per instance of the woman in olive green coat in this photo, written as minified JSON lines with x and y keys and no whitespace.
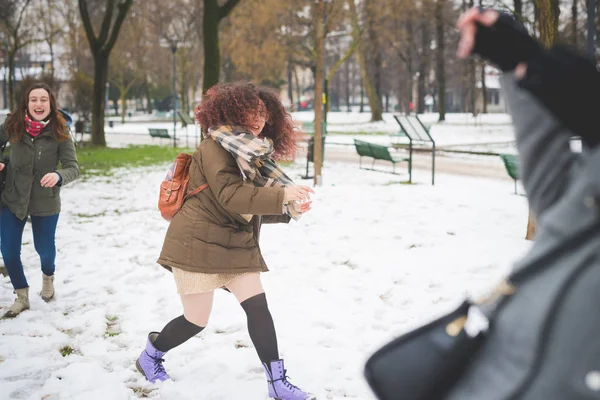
{"x":212,"y":242}
{"x":39,"y":140}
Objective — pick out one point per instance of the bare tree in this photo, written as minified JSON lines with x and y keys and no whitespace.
{"x":48,"y":13}
{"x":101,"y":45}
{"x":15,"y":34}
{"x":440,"y":46}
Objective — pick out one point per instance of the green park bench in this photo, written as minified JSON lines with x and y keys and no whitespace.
{"x":418,"y":137}
{"x":378,"y":152}
{"x":511,"y":163}
{"x":159,"y":133}
{"x":185,"y":119}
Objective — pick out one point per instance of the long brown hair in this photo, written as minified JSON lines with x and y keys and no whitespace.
{"x":238,"y":103}
{"x":15,"y":121}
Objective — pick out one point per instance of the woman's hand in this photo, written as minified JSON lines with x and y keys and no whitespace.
{"x":50,"y":179}
{"x":2,"y":165}
{"x":297,"y":193}
{"x":467,"y":25}
{"x":302,"y":207}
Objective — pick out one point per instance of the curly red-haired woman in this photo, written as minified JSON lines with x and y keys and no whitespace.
{"x":212,"y":242}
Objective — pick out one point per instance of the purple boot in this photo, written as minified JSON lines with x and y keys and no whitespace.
{"x":279,"y":387}
{"x":150,"y":361}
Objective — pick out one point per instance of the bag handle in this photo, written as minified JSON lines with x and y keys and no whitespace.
{"x":195,"y":191}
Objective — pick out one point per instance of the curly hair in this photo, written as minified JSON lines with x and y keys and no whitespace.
{"x":15,"y":121}
{"x":238,"y":104}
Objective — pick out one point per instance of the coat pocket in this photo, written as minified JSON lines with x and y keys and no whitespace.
{"x":224,"y":235}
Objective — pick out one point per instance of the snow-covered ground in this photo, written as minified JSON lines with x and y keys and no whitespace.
{"x":373,"y":259}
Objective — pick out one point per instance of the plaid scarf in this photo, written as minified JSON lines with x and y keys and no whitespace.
{"x":32,"y":127}
{"x":253,"y":157}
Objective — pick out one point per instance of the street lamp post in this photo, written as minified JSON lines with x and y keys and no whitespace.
{"x":174,"y":50}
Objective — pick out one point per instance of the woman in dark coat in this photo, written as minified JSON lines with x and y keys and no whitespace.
{"x":39,"y":141}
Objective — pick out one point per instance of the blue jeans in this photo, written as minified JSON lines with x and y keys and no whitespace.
{"x":11,"y":236}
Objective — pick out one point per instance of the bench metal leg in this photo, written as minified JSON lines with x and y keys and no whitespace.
{"x":515,"y":186}
{"x":410,"y":157}
{"x":433,"y":165}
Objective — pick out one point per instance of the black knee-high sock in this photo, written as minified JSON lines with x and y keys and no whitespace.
{"x":261,"y":328}
{"x":175,"y":333}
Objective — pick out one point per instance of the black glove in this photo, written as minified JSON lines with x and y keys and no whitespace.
{"x":568,"y":84}
{"x":506,"y":43}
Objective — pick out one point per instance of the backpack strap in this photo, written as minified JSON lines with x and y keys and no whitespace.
{"x":195,"y":191}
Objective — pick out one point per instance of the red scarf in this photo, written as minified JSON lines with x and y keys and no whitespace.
{"x":34,"y":128}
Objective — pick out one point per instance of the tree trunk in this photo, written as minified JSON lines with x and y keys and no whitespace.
{"x":122,"y":97}
{"x":423,"y":66}
{"x":574,"y":33}
{"x":290,"y":82}
{"x":319,"y":12}
{"x":548,"y":18}
{"x":298,"y":90}
{"x":374,"y":102}
{"x":483,"y":89}
{"x":212,"y":53}
{"x":347,"y":84}
{"x":101,"y":47}
{"x":362,"y":97}
{"x":518,"y":9}
{"x":325,"y":99}
{"x":441,"y":68}
{"x":410,"y":66}
{"x":11,"y":81}
{"x":213,"y":14}
{"x":377,"y":66}
{"x":100,"y":79}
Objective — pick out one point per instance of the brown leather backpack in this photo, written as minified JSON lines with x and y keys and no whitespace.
{"x":174,"y":188}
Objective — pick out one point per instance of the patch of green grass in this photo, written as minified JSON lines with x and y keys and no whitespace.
{"x":66,"y":351}
{"x":111,"y":334}
{"x":99,"y":161}
{"x":83,"y":215}
{"x":399,"y":183}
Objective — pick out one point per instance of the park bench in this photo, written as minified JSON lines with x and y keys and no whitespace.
{"x":418,"y":137}
{"x":185,"y":119}
{"x":378,"y":152}
{"x":511,"y":163}
{"x":159,"y":133}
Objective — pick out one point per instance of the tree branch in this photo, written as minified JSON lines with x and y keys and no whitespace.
{"x":87,"y":24}
{"x":21,"y":15}
{"x":226,"y":8}
{"x":351,"y":49}
{"x":105,"y":27}
{"x":123,"y":8}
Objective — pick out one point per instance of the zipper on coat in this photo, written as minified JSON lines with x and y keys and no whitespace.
{"x":546,"y":327}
